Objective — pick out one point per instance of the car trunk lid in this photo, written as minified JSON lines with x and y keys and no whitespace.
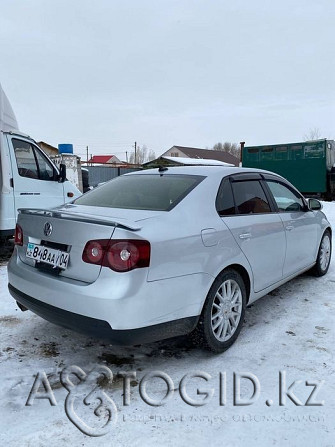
{"x":70,"y":231}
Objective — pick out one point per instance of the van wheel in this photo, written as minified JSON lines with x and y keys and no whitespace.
{"x":324,"y":255}
{"x":222,"y":317}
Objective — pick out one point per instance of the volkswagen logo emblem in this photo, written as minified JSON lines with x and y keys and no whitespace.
{"x":47,"y":229}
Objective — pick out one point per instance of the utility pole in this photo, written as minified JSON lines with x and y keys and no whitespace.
{"x":87,"y":155}
{"x":135,"y":153}
{"x":127,"y":156}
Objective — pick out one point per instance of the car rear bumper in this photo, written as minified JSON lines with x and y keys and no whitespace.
{"x":100,"y":328}
{"x":125,"y":302}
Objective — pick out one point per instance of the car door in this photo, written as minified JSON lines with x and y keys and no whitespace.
{"x":34,"y":176}
{"x":301,"y":227}
{"x":246,"y":210}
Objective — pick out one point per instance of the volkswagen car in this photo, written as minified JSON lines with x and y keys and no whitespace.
{"x":169,"y":251}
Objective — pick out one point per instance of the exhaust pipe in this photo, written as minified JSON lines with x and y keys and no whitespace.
{"x":23,"y":308}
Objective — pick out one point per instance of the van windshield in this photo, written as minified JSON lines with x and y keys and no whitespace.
{"x":142,"y":192}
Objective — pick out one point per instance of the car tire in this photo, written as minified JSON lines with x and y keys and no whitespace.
{"x":223,"y":313}
{"x":324,"y":255}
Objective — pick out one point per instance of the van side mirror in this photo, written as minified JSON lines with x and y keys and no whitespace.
{"x":62,"y":173}
{"x":314,"y":205}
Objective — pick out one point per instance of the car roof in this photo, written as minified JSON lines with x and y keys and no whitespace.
{"x":208,"y":171}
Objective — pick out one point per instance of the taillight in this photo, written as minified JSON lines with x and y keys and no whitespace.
{"x":18,"y":238}
{"x":125,"y":255}
{"x":94,"y":251}
{"x":120,"y":255}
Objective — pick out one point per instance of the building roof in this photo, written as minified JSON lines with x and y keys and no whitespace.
{"x":189,"y":161}
{"x":100,"y":159}
{"x":194,"y":152}
{"x":48,"y":146}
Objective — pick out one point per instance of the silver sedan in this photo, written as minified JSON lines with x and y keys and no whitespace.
{"x":165,"y":252}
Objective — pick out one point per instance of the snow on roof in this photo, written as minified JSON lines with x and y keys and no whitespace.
{"x":194,"y":152}
{"x":196,"y":161}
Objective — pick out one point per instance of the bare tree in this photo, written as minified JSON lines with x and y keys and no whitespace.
{"x":313,"y":134}
{"x":231,"y":148}
{"x":142,"y":155}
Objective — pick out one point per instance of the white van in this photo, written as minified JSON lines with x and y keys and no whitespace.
{"x":28,"y":178}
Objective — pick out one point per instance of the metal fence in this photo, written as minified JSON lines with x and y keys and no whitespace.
{"x":100,"y":174}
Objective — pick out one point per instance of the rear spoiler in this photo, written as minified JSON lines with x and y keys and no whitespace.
{"x":81,"y":217}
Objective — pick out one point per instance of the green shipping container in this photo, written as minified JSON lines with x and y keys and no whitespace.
{"x":306,"y":165}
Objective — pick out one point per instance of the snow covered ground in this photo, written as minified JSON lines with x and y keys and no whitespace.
{"x":290,"y":330}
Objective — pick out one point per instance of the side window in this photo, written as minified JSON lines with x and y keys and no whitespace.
{"x":281,"y":153}
{"x":251,"y":154}
{"x":46,"y":171}
{"x":267,"y":153}
{"x":25,"y":159}
{"x":297,"y":152}
{"x":224,"y":201}
{"x":30,"y":162}
{"x":287,"y":200}
{"x":250,"y":197}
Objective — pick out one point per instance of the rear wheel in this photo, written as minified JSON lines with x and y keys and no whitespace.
{"x":223,"y":313}
{"x":324,"y":254}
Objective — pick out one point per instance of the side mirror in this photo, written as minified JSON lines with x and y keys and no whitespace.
{"x":314,"y":204}
{"x":62,"y":173}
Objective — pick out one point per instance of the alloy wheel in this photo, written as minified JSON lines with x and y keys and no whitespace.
{"x":325,"y":252}
{"x":226,"y":310}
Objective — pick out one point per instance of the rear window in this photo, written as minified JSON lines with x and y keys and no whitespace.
{"x":142,"y":192}
{"x":250,"y":197}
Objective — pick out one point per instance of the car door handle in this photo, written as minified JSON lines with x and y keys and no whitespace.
{"x":245,"y":236}
{"x":289,"y":227}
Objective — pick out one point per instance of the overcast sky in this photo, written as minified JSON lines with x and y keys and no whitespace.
{"x":106,"y":73}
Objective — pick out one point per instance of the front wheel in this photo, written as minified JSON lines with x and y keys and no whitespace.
{"x":223,"y":313}
{"x":324,"y":254}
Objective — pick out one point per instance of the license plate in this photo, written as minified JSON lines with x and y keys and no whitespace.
{"x":56,"y":258}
